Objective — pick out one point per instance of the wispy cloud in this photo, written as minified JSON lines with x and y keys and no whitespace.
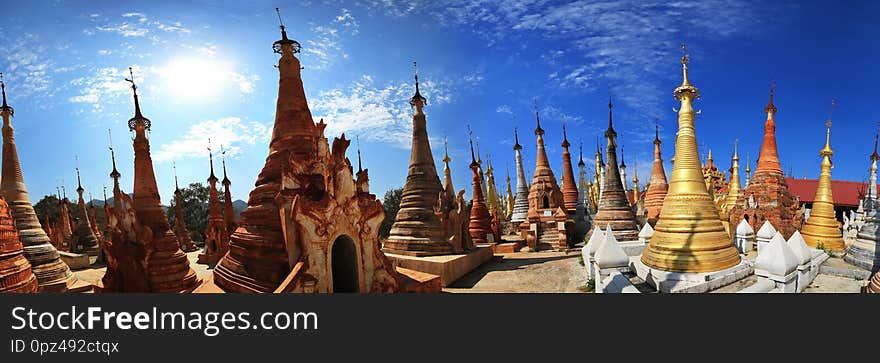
{"x":27,"y":66}
{"x":380,"y":112}
{"x":139,"y":25}
{"x":613,"y":43}
{"x":106,"y":85}
{"x":230,"y":132}
{"x":347,"y":20}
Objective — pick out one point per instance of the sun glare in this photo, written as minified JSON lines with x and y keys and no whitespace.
{"x":193,"y":79}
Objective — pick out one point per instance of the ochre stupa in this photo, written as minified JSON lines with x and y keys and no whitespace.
{"x":547,"y":222}
{"x":766,"y":196}
{"x":309,"y":226}
{"x":216,"y":233}
{"x":167,"y":267}
{"x":16,"y":275}
{"x":689,"y":235}
{"x":52,"y":274}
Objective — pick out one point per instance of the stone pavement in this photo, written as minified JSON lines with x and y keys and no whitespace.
{"x":525,"y":272}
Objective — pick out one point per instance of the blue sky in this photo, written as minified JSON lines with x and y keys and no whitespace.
{"x":205,"y":69}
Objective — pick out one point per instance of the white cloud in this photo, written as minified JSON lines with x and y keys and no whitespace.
{"x":230,"y":132}
{"x":504,"y":109}
{"x":381,"y":112}
{"x":106,"y":85}
{"x":104,"y":52}
{"x":347,"y":20}
{"x":139,"y":25}
{"x":27,"y":69}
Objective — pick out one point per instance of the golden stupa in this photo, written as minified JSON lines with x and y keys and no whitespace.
{"x":733,"y":186}
{"x":822,"y":229}
{"x":689,"y":235}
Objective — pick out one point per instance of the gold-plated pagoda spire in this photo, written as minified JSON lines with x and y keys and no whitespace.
{"x":822,"y":228}
{"x":733,"y":187}
{"x":447,"y":172}
{"x":689,"y":235}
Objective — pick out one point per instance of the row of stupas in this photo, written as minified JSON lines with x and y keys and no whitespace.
{"x":311,"y":224}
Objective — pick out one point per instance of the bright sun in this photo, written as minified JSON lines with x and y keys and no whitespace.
{"x":193,"y":78}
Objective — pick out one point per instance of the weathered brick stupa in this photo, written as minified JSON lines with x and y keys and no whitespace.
{"x":689,"y":235}
{"x":52,"y":274}
{"x":97,"y":231}
{"x":16,"y":275}
{"x":216,"y":234}
{"x":521,"y":200}
{"x":64,"y":230}
{"x":864,"y":251}
{"x":180,"y":230}
{"x":417,"y":230}
{"x":309,"y":226}
{"x":451,"y":209}
{"x":167,"y":266}
{"x":614,"y":209}
{"x":822,"y":230}
{"x":84,"y":239}
{"x":126,"y":244}
{"x":547,"y":222}
{"x":480,"y":222}
{"x":766,"y":196}
{"x":228,"y":210}
{"x":570,"y":191}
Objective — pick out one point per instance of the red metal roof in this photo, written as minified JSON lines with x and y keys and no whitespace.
{"x":845,"y":193}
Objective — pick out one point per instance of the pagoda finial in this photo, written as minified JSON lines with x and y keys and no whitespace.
{"x":686,"y":85}
{"x":79,"y":188}
{"x":538,"y":130}
{"x":657,"y":130}
{"x":446,"y":158}
{"x":610,"y":133}
{"x":771,"y":108}
{"x":581,"y":154}
{"x":735,"y":147}
{"x":565,"y":142}
{"x":358,"y":141}
{"x":277,"y":46}
{"x":479,"y":159}
{"x":622,"y":160}
{"x":5,"y":107}
{"x":104,"y":187}
{"x":417,"y":99}
{"x":474,"y":163}
{"x":516,"y":146}
{"x":115,"y":173}
{"x":875,"y":156}
{"x":174,"y":168}
{"x":826,"y":151}
{"x":211,"y":161}
{"x":748,"y":162}
{"x":223,"y":159}
{"x":138,"y":119}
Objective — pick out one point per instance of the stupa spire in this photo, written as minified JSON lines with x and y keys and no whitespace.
{"x":211,"y":178}
{"x":733,"y":187}
{"x":614,"y":209}
{"x":521,"y":198}
{"x":768,"y":159}
{"x":5,"y":108}
{"x":53,"y":275}
{"x":447,"y":172}
{"x":657,"y":187}
{"x":821,"y":229}
{"x":569,"y":186}
{"x":167,"y":267}
{"x":479,"y":225}
{"x":689,"y":235}
{"x":417,"y":230}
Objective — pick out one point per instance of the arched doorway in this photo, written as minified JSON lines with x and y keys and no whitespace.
{"x":344,"y":264}
{"x":546,"y":203}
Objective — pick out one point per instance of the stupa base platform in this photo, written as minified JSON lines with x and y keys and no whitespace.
{"x":866,"y":259}
{"x":419,"y":282}
{"x":507,"y":247}
{"x":633,"y":248}
{"x":209,"y":260}
{"x":690,"y":282}
{"x":76,"y":261}
{"x":448,"y":267}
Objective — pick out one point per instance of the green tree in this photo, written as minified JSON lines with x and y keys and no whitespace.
{"x":195,"y":210}
{"x":391,"y":203}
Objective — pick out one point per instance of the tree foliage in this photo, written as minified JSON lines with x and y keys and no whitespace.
{"x":49,"y":206}
{"x":195,"y":209}
{"x":391,"y":203}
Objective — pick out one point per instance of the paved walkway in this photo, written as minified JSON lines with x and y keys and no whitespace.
{"x":525,"y":272}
